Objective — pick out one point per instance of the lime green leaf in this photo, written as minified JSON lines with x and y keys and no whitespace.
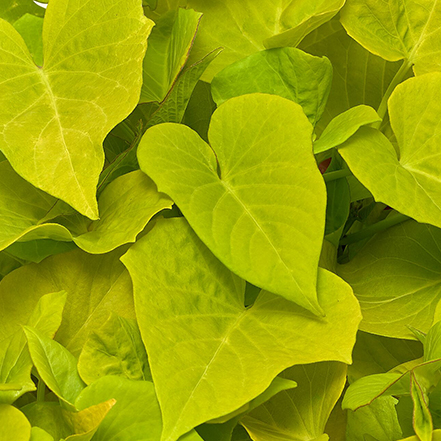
{"x":70,"y":104}
{"x":245,"y":27}
{"x":13,"y":424}
{"x":342,"y":127}
{"x":96,"y":285}
{"x":407,"y":180}
{"x":56,"y":366}
{"x":378,"y":420}
{"x":136,"y":414}
{"x":263,"y":147}
{"x":288,"y":72}
{"x":37,"y":250}
{"x":169,"y":47}
{"x":397,"y":29}
{"x":12,"y":10}
{"x":224,"y":354}
{"x":374,"y":354}
{"x":116,"y":348}
{"x":359,"y":76}
{"x":301,"y":413}
{"x":422,"y":420}
{"x":30,"y":28}
{"x":436,"y":436}
{"x":15,"y":360}
{"x":38,"y":434}
{"x":8,"y":264}
{"x":396,"y":278}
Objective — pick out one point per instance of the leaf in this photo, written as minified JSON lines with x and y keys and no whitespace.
{"x":38,"y":434}
{"x":13,"y":424}
{"x":398,"y":29}
{"x":224,"y":355}
{"x":169,"y":47}
{"x":30,"y":28}
{"x":407,"y":179}
{"x":56,"y":366}
{"x":244,"y":27}
{"x":378,"y":420}
{"x":70,"y":104}
{"x":374,"y":354}
{"x":263,"y":147}
{"x":436,"y":436}
{"x":359,"y":76}
{"x":287,"y":72}
{"x":342,"y":127}
{"x":116,"y":348}
{"x":12,"y":10}
{"x":396,"y":278}
{"x":96,"y":286}
{"x":37,"y":250}
{"x":15,"y":360}
{"x":422,"y":421}
{"x":301,"y":413}
{"x":136,"y":414}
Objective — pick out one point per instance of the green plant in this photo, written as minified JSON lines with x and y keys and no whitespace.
{"x":220,"y":220}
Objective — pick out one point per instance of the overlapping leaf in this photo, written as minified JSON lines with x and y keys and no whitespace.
{"x":70,"y":104}
{"x":226,"y":354}
{"x":260,"y":162}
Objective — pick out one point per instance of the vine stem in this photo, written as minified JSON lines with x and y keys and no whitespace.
{"x":41,"y":391}
{"x":338,"y":174}
{"x":370,"y":231}
{"x":397,"y":79}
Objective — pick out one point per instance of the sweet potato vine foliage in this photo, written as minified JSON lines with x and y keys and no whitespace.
{"x":220,"y":220}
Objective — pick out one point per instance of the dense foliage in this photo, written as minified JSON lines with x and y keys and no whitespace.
{"x":220,"y":220}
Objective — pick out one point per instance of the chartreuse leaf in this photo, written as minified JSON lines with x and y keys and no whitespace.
{"x":422,"y":420}
{"x":407,"y":179}
{"x":436,"y":436}
{"x":126,"y":206}
{"x":342,"y":127}
{"x":245,"y":27}
{"x":15,"y":360}
{"x":38,"y":434}
{"x":288,"y":72}
{"x":374,"y":354}
{"x":168,"y":50}
{"x":56,"y":366}
{"x":359,"y":76}
{"x":397,"y":279}
{"x":116,"y":348}
{"x":262,"y":146}
{"x":378,"y":420}
{"x":13,"y":424}
{"x":227,"y":354}
{"x":300,"y":413}
{"x":96,"y":286}
{"x":70,"y":104}
{"x":30,"y":28}
{"x":38,"y":249}
{"x":67,"y":424}
{"x":12,"y":10}
{"x":397,"y":29}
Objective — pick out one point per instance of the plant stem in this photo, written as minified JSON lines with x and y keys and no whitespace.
{"x":338,"y":174}
{"x":41,"y":391}
{"x":370,"y":231}
{"x":397,"y":79}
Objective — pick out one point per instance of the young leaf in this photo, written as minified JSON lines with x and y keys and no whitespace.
{"x":397,"y":279}
{"x":342,"y":127}
{"x":301,"y":413}
{"x":96,"y":286}
{"x":422,"y":420}
{"x":407,"y":179}
{"x":262,"y":146}
{"x":397,"y":29}
{"x":209,"y":355}
{"x":13,"y":424}
{"x":169,"y":47}
{"x":287,"y":72}
{"x":56,"y":366}
{"x":378,"y":420}
{"x":70,"y":104}
{"x":114,"y":349}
